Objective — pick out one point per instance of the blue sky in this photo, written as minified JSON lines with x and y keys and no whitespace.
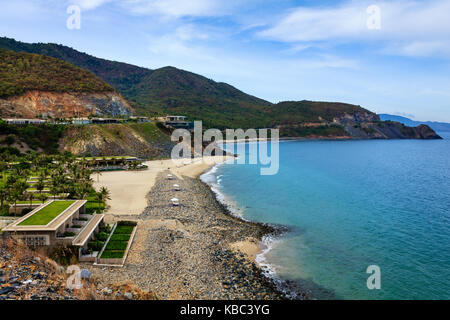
{"x":274,"y":49}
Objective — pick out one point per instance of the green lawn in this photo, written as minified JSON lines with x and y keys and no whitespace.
{"x":47,"y":214}
{"x":123,"y":230}
{"x":113,"y":254}
{"x":120,"y":237}
{"x":118,"y":243}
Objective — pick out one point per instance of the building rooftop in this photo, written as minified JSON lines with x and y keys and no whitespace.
{"x":81,"y":239}
{"x":47,"y":217}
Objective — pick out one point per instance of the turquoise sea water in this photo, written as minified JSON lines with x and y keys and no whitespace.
{"x":348,"y":205}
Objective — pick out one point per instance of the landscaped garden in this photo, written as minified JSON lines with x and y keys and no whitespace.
{"x":47,"y":214}
{"x":99,"y":238}
{"x":34,"y":178}
{"x":115,"y":248}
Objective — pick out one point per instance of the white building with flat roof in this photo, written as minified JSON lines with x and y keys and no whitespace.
{"x":24,"y":121}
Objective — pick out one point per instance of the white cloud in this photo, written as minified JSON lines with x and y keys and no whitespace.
{"x":90,"y":4}
{"x":407,"y":27}
{"x":175,"y":8}
{"x":168,"y":8}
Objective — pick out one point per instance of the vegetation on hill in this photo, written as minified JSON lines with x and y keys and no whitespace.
{"x":20,"y":72}
{"x":309,"y":111}
{"x":144,"y":140}
{"x":35,"y":137}
{"x":170,"y":90}
{"x":163,"y":91}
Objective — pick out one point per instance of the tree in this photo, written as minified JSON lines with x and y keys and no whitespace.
{"x":43,"y":197}
{"x":4,"y":194}
{"x":30,"y":196}
{"x":3,"y":166}
{"x":10,"y":139}
{"x":102,"y":196}
{"x":40,"y":185}
{"x":97,"y":171}
{"x":14,"y":196}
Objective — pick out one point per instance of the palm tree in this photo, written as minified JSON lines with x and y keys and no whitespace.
{"x":102,"y":196}
{"x":43,"y":197}
{"x":30,"y":196}
{"x":40,"y":185}
{"x":3,"y":166}
{"x":4,"y":194}
{"x":14,"y":196}
{"x":97,"y":171}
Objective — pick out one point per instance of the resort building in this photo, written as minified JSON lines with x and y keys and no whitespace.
{"x":24,"y":121}
{"x":113,"y":163}
{"x":81,"y":121}
{"x":105,"y":120}
{"x":57,"y":222}
{"x":178,"y":122}
{"x":139,"y":119}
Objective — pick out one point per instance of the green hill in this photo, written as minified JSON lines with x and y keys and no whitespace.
{"x":170,"y":90}
{"x":20,"y":72}
{"x":162,"y":91}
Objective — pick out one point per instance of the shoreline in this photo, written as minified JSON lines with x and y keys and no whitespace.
{"x":318,"y":138}
{"x":199,"y":250}
{"x":255,"y":252}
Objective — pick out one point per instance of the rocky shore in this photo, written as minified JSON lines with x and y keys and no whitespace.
{"x":187,"y":252}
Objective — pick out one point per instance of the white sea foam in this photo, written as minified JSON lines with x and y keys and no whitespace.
{"x":268,"y":241}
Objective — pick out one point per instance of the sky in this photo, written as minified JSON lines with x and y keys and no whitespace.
{"x":388,"y":56}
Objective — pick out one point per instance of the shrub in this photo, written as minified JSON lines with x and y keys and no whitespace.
{"x":96,"y":245}
{"x":105,"y":228}
{"x":69,"y":234}
{"x":64,"y":255}
{"x":10,"y":139}
{"x":102,"y":236}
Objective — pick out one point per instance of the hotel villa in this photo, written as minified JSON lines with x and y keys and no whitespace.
{"x":57,"y":223}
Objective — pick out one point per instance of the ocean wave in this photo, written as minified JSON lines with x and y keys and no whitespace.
{"x":213,"y":182}
{"x":268,"y":241}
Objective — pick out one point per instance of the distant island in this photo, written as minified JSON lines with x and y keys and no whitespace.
{"x":436,"y":126}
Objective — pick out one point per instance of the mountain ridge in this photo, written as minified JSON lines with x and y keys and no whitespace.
{"x":170,"y":90}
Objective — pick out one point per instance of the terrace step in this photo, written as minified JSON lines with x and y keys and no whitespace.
{"x":81,"y":239}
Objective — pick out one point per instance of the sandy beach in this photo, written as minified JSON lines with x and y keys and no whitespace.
{"x":130,"y":188}
{"x":195,"y":251}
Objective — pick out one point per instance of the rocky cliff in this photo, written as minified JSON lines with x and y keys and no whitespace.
{"x":65,"y":104}
{"x":369,"y":126}
{"x":143,"y":140}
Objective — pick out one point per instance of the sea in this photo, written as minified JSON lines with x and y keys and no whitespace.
{"x":362,"y":219}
